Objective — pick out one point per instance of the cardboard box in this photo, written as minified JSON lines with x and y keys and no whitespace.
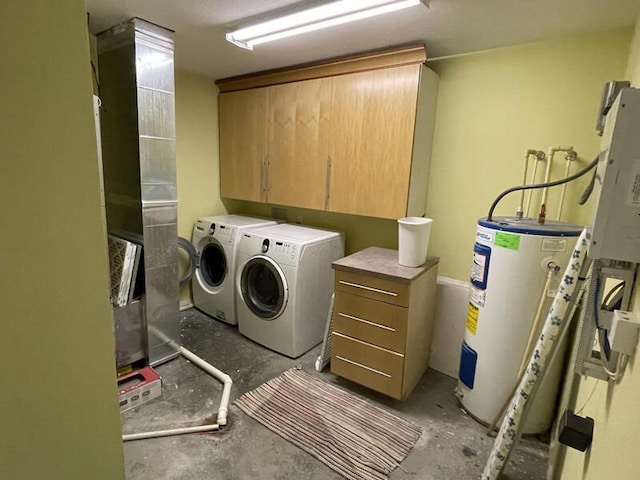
{"x":138,"y":387}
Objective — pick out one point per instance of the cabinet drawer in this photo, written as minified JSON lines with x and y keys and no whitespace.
{"x":375,"y":288}
{"x":366,"y":364}
{"x":381,"y":324}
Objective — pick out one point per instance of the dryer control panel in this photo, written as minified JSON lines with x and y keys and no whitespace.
{"x":226,"y":234}
{"x":286,"y":249}
{"x":280,"y":250}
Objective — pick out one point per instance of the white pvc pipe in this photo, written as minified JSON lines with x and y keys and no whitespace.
{"x":525,"y":168}
{"x":569,"y":159}
{"x":167,"y":433}
{"x":222,"y":410}
{"x":530,"y":192}
{"x":214,"y":372}
{"x":547,"y":176}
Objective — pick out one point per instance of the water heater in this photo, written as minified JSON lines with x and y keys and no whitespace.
{"x":512,"y":260}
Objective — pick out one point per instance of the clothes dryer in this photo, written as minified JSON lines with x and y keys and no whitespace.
{"x":284,"y":284}
{"x":216,"y":242}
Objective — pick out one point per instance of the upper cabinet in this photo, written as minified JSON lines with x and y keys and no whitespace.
{"x":243,"y":144}
{"x":371,"y":141}
{"x":352,"y":136}
{"x":298,"y":143}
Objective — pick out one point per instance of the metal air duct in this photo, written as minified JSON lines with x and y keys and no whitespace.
{"x":135,"y":61}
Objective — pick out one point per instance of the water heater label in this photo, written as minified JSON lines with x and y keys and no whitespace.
{"x":480,"y":265}
{"x":472,"y":318}
{"x":554,"y":245}
{"x":477,"y":296}
{"x":507,"y":240}
{"x":484,"y":236}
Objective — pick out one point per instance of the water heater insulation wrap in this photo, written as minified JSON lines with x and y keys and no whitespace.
{"x":509,"y":271}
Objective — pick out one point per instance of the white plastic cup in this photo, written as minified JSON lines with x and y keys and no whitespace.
{"x":413,"y":240}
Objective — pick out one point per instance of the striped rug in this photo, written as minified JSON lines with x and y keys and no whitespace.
{"x":356,"y":439}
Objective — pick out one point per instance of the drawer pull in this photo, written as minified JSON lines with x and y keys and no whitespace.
{"x":351,"y":317}
{"x":371,"y":289}
{"x":363,"y":366}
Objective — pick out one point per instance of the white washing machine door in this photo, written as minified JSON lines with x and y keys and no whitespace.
{"x":212,"y":266}
{"x":263,"y":287}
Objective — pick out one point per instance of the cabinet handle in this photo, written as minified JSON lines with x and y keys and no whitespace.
{"x":262,"y":178}
{"x":371,"y":289}
{"x":327,"y":185}
{"x":363,"y":366}
{"x":362,"y":320}
{"x":266,"y":181}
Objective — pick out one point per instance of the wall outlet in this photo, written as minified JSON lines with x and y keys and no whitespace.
{"x":625,"y":330}
{"x":279,"y":213}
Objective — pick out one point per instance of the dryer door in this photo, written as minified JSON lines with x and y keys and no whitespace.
{"x":263,"y":287}
{"x":212,"y":264}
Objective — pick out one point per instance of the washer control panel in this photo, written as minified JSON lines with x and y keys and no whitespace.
{"x":226,"y":234}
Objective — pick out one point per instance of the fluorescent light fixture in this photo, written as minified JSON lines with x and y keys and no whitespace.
{"x":323,"y":16}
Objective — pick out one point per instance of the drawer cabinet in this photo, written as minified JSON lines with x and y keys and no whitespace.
{"x":367,"y":364}
{"x":375,"y":322}
{"x":382,"y":320}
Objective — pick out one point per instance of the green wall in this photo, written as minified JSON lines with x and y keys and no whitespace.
{"x":614,"y":407}
{"x":59,"y":413}
{"x":492,"y":107}
{"x":196,"y":154}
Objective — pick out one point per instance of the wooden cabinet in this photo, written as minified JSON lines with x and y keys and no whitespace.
{"x":243,"y":144}
{"x":298,"y":143}
{"x":274,"y":143}
{"x":351,"y":136}
{"x":382,"y":320}
{"x":372,"y":125}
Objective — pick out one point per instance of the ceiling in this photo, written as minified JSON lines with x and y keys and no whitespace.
{"x":447,"y":27}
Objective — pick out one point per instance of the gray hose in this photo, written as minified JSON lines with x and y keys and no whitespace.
{"x":576,"y":175}
{"x":588,"y":190}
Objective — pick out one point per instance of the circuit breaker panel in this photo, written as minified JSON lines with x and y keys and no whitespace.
{"x":615,"y":233}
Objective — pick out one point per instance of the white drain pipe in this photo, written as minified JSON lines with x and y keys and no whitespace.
{"x":214,"y":372}
{"x":167,"y":433}
{"x":222,"y":410}
{"x":537,"y":156}
{"x":547,"y":177}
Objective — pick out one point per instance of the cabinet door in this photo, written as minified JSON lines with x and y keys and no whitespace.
{"x":371,"y":141}
{"x":298,"y":143}
{"x":243,"y":144}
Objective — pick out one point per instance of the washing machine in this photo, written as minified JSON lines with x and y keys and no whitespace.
{"x":284,"y":285}
{"x":215,"y":240}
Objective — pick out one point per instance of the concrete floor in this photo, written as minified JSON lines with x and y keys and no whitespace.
{"x":453,"y":446}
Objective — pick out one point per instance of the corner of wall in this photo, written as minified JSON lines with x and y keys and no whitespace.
{"x":197,"y":155}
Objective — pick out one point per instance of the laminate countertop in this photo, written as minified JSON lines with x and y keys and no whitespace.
{"x":383,"y":263}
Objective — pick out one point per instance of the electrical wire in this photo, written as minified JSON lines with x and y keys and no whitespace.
{"x":596,"y":385}
{"x":555,"y":183}
{"x":616,"y":375}
{"x":603,"y":334}
{"x":95,"y":78}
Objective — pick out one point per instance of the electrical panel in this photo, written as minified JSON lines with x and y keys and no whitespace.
{"x":615,"y":233}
